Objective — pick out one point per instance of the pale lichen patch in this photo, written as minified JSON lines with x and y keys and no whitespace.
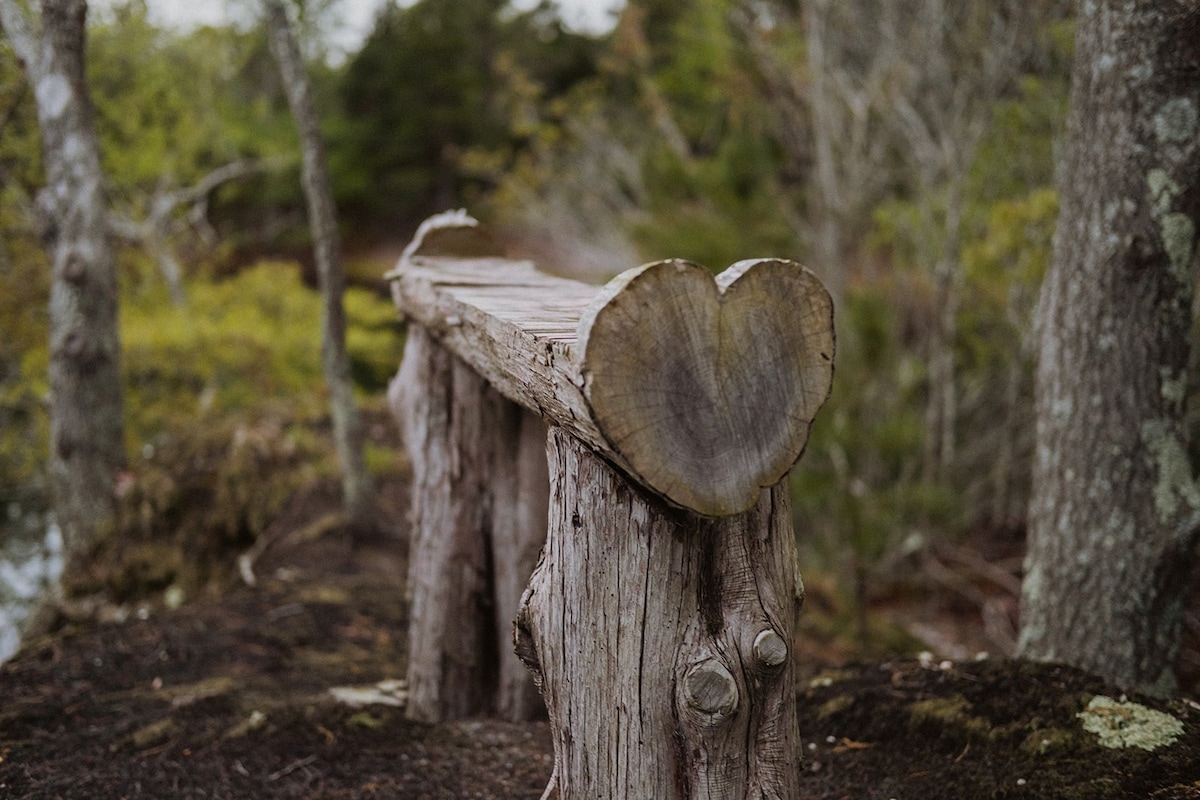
{"x":1178,"y":232}
{"x":1175,"y":482}
{"x":1176,"y":120}
{"x":1120,"y":724}
{"x":1162,"y":189}
{"x":1174,"y":386}
{"x":1177,"y":229}
{"x":53,"y":94}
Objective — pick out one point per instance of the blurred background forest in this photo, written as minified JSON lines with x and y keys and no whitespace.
{"x":905,"y":151}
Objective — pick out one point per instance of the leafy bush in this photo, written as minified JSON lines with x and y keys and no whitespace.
{"x":235,"y":344}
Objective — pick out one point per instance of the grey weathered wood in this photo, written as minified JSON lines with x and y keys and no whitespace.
{"x":660,"y":619}
{"x":707,"y":389}
{"x":520,"y":498}
{"x":476,"y":530}
{"x":701,"y":390}
{"x":660,"y":640}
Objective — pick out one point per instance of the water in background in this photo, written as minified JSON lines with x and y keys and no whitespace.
{"x":31,"y":562}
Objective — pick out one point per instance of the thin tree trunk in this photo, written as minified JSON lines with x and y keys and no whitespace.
{"x":86,"y":406}
{"x":942,"y":410}
{"x":357,"y":488}
{"x":829,"y":204}
{"x":1115,"y":510}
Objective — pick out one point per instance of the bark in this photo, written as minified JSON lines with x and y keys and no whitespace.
{"x":357,"y":486}
{"x":86,"y":406}
{"x":478,"y":520}
{"x":829,"y":202}
{"x":1114,"y":512}
{"x":661,"y":640}
{"x":522,"y":496}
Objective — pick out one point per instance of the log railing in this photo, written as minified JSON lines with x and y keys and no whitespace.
{"x":656,"y":419}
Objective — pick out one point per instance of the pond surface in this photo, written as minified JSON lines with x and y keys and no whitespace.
{"x":31,"y":562}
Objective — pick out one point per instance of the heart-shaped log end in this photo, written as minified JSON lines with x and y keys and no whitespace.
{"x":706,"y":389}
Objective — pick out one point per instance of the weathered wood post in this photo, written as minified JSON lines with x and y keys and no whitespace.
{"x":660,"y":618}
{"x":479,"y":501}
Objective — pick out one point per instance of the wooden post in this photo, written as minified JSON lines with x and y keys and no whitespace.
{"x":661,"y":640}
{"x":478,"y":520}
{"x":659,"y":621}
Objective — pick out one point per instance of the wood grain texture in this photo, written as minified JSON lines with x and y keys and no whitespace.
{"x":641,"y":623}
{"x":703,"y":391}
{"x":478,"y":520}
{"x":707,"y":389}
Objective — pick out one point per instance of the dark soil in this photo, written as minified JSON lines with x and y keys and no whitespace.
{"x":228,"y":696}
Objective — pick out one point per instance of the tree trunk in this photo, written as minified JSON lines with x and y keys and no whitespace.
{"x":357,"y":486}
{"x":1114,"y":510}
{"x":87,"y":446}
{"x":941,"y":411}
{"x":827,"y":191}
{"x":661,"y":640}
{"x":478,"y":520}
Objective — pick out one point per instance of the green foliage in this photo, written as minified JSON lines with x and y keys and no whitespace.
{"x":252,"y":339}
{"x":172,"y":108}
{"x":24,"y":433}
{"x":721,"y":200}
{"x":243,"y":343}
{"x":24,"y":286}
{"x":431,"y":83}
{"x":155,"y":95}
{"x":858,"y":491}
{"x":373,"y":339}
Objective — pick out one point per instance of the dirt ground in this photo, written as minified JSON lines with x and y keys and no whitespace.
{"x":229,"y":696}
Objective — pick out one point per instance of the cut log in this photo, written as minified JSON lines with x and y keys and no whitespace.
{"x":707,"y":389}
{"x":703,"y":391}
{"x":660,"y":640}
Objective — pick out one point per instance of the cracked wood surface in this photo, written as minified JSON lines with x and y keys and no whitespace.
{"x":701,"y":390}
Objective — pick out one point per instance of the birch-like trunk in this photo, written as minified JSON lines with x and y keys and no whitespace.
{"x":357,"y":486}
{"x":1115,"y":509}
{"x":87,"y":447}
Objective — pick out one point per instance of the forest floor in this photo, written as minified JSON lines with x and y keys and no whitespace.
{"x":229,"y":696}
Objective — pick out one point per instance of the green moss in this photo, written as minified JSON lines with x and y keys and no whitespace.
{"x":952,"y":714}
{"x":1050,"y":742}
{"x":835,"y":706}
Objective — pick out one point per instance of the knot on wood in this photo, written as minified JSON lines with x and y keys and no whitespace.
{"x":770,"y":650}
{"x":710,"y":687}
